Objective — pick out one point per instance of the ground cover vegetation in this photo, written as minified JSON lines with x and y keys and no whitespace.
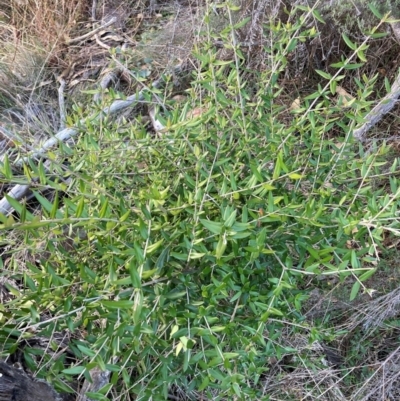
{"x":200,"y":198}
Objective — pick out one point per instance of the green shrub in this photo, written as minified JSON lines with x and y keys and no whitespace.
{"x":183,"y":254}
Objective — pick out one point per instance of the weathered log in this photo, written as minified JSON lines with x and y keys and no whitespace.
{"x":15,"y":385}
{"x":379,"y":111}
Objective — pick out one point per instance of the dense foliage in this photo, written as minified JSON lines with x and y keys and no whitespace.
{"x":182,"y":256}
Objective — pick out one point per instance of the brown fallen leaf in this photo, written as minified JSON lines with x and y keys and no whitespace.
{"x":196,"y":112}
{"x":344,"y":98}
{"x":295,"y":105}
{"x":179,"y":98}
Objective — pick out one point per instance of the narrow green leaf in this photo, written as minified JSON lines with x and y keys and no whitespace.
{"x":179,"y":256}
{"x":151,"y":248}
{"x":80,"y":207}
{"x":162,"y":259}
{"x":291,"y":45}
{"x":104,"y":209}
{"x":146,"y":212}
{"x":361,"y":56}
{"x":353,"y":66}
{"x":349,"y":43}
{"x":54,"y":212}
{"x":239,"y":235}
{"x":42,"y":173}
{"x":137,"y":307}
{"x":86,"y":351}
{"x":175,"y":294}
{"x":275,"y":311}
{"x":230,"y":355}
{"x":375,"y":11}
{"x":254,"y":169}
{"x":324,"y":74}
{"x":76,"y":370}
{"x":367,"y":274}
{"x":143,"y":229}
{"x":317,"y":15}
{"x":355,"y":289}
{"x":124,"y":216}
{"x":295,"y":176}
{"x":277,"y":170}
{"x":6,"y":170}
{"x":221,"y":246}
{"x":242,"y":23}
{"x":196,"y":255}
{"x":217,"y":329}
{"x":204,"y":384}
{"x":122,"y":304}
{"x":332,"y":86}
{"x":14,"y":203}
{"x":135,"y":277}
{"x":354,"y":260}
{"x":213,"y":226}
{"x":238,"y":227}
{"x":230,"y":220}
{"x":47,"y":205}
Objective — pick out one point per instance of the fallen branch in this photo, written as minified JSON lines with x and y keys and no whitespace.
{"x":15,"y":385}
{"x":396,"y":29}
{"x":94,"y":7}
{"x":115,"y":107}
{"x":89,"y":34}
{"x":19,"y":191}
{"x":13,"y":139}
{"x":99,"y":379}
{"x":101,"y":44}
{"x":22,"y":190}
{"x":105,"y":83}
{"x":381,"y":109}
{"x":157,"y":125}
{"x":128,"y":73}
{"x":98,"y":41}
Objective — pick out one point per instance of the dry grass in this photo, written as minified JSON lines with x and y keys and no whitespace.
{"x":32,"y":45}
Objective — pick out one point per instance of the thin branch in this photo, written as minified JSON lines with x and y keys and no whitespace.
{"x":101,"y":44}
{"x":94,"y":7}
{"x":61,"y":103}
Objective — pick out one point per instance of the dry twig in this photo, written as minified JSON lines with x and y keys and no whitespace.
{"x":62,"y":103}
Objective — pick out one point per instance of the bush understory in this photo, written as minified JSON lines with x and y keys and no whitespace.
{"x":244,"y":250}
